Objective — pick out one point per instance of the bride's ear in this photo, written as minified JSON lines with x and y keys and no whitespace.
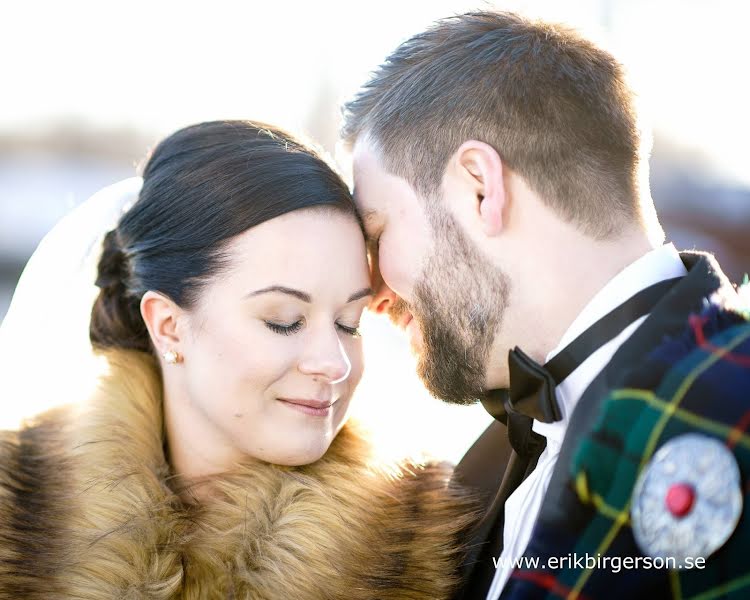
{"x":162,"y":318}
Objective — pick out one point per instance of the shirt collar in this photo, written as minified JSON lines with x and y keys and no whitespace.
{"x":657,"y":265}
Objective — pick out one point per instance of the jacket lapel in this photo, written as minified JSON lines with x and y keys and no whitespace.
{"x":487,"y":539}
{"x":668,"y":318}
{"x":492,"y":451}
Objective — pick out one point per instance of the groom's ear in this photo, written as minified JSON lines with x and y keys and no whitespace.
{"x":482,"y":168}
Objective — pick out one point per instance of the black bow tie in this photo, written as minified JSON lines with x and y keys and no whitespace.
{"x":532,"y":386}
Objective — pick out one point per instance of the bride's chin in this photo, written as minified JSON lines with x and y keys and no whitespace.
{"x":304,"y":445}
{"x":304,"y":455}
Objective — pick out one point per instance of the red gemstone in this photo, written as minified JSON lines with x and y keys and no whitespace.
{"x":680,"y":499}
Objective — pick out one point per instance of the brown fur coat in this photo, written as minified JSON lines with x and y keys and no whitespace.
{"x":86,"y":512}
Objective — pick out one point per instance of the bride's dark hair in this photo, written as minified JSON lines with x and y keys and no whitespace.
{"x":202,"y":186}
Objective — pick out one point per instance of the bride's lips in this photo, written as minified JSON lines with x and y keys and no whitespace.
{"x":316,"y":408}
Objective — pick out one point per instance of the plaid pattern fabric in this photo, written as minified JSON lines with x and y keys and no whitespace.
{"x":700,"y":383}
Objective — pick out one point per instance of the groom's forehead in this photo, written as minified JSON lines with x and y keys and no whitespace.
{"x":371,"y":200}
{"x":367,"y":162}
{"x":370,"y":217}
{"x":366,"y":212}
{"x":373,"y":184}
{"x":366,"y":178}
{"x":379,"y":194}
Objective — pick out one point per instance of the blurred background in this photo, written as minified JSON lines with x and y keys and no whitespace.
{"x":88,"y":88}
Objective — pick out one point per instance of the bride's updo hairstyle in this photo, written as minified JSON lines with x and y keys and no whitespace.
{"x":202,"y":186}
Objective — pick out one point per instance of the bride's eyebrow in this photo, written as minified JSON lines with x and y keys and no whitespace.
{"x":363,"y":293}
{"x":305,"y":297}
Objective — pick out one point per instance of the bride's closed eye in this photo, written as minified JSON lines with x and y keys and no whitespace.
{"x":297,"y":325}
{"x":284,"y":329}
{"x":353,"y":331}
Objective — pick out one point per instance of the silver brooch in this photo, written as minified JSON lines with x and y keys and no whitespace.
{"x":687,"y":501}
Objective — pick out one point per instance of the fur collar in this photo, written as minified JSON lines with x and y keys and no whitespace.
{"x":86,"y":513}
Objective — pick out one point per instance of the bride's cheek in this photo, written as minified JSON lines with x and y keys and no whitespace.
{"x":358,"y":367}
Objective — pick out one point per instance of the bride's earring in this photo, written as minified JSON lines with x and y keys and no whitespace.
{"x":172,"y":357}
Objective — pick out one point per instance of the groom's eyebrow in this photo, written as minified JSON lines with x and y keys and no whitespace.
{"x":305,"y":297}
{"x":368,"y":217}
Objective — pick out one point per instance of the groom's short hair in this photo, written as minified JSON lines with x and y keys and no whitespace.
{"x":554,"y":105}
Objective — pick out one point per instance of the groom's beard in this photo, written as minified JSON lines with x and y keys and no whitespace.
{"x":458,"y":304}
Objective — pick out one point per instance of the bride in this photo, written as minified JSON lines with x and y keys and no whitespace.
{"x":212,"y":457}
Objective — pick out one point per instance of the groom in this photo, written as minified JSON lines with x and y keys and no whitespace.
{"x":502,"y":180}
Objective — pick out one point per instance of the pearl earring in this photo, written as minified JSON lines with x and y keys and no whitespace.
{"x":172,"y":357}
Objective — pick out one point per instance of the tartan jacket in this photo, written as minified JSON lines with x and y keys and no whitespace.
{"x":686,"y":369}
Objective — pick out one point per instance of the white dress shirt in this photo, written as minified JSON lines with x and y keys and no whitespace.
{"x":522,"y":506}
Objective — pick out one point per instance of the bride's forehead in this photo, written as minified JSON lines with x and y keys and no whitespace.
{"x":301,"y":234}
{"x":311,"y":250}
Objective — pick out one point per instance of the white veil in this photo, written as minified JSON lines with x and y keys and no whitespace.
{"x":45,"y":351}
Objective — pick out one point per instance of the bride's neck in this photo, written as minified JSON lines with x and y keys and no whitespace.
{"x":195,"y":449}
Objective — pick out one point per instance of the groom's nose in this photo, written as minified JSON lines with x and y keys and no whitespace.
{"x":384,"y":297}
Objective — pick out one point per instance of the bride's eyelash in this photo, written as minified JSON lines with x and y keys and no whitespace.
{"x":295,"y":327}
{"x":352,"y":331}
{"x":284,"y":329}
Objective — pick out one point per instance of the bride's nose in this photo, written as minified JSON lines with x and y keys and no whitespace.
{"x":326,"y":358}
